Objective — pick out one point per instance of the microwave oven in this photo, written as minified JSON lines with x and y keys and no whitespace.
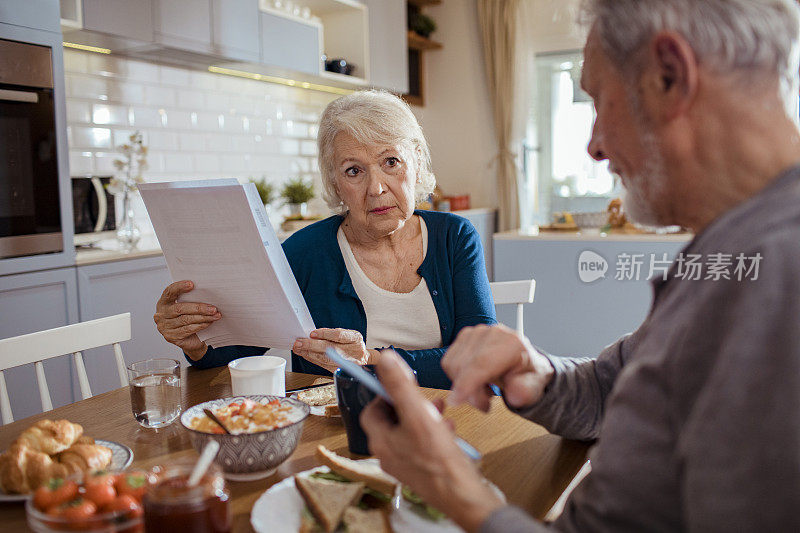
{"x":92,"y":209}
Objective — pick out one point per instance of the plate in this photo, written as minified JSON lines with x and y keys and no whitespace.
{"x":316,"y":410}
{"x":278,"y":511}
{"x":121,"y":458}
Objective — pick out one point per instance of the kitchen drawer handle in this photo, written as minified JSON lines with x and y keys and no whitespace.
{"x":19,"y":96}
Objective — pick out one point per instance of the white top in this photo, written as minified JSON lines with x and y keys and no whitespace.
{"x":406,"y":320}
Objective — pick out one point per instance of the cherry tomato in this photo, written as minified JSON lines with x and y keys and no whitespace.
{"x":99,"y":493}
{"x":132,"y":484}
{"x":77,"y":512}
{"x":126,"y":505}
{"x":101,"y":477}
{"x":54,"y":492}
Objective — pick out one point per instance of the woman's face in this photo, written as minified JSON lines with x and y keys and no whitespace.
{"x":376,"y":183}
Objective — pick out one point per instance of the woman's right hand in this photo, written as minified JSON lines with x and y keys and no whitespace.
{"x":179,"y":322}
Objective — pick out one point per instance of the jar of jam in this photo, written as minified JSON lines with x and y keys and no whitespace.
{"x":170,"y":505}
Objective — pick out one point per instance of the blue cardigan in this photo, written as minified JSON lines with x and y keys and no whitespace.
{"x":453,"y":269}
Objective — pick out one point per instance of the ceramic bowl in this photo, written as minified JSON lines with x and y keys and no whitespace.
{"x":250,"y":456}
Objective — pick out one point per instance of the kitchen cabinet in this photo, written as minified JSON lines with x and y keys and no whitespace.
{"x":33,"y":302}
{"x":118,"y":287}
{"x":129,"y":19}
{"x":571,"y":317}
{"x":36,"y":14}
{"x":290,"y":44}
{"x":183,"y":24}
{"x":388,"y":49}
{"x":235,"y":29}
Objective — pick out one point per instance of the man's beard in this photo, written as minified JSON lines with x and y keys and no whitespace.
{"x":646,"y":189}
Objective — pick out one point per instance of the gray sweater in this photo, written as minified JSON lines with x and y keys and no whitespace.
{"x":697,"y":413}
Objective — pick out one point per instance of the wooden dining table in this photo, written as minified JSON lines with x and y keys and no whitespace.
{"x":529,"y":465}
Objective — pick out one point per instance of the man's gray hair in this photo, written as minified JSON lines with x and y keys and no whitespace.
{"x":373,"y":118}
{"x":732,"y":36}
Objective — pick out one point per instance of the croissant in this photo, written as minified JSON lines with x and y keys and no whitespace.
{"x":85,"y":458}
{"x":23,"y":470}
{"x":50,"y":437}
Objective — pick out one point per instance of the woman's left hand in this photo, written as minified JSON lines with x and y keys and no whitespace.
{"x":349,"y":342}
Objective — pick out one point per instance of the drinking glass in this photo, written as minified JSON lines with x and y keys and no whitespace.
{"x":155,"y":386}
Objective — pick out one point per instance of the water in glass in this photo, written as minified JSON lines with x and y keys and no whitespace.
{"x":155,"y":387}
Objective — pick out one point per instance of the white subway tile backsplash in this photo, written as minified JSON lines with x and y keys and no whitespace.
{"x":79,"y":112}
{"x":80,"y":163}
{"x":178,"y":162}
{"x":203,"y":80}
{"x":190,"y":99}
{"x":159,"y":96}
{"x":205,"y":163}
{"x":146,"y":117}
{"x":123,"y":136}
{"x":125,"y":92}
{"x":196,"y":124}
{"x":308,"y":148}
{"x":289,"y":147}
{"x":82,"y":137}
{"x":142,"y":71}
{"x":163,"y":140}
{"x":75,"y":61}
{"x":191,"y":142}
{"x":105,"y":65}
{"x":180,"y":119}
{"x":234,"y":163}
{"x":174,"y":76}
{"x":110,"y":114}
{"x":88,"y":87}
{"x":104,"y":162}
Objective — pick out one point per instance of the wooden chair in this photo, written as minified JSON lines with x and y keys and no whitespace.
{"x":75,"y":338}
{"x":514,"y":292}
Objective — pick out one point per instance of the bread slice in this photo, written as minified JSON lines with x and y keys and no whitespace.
{"x":369,"y":473}
{"x":366,"y":521}
{"x":327,"y":500}
{"x":319,"y":396}
{"x":332,"y":410}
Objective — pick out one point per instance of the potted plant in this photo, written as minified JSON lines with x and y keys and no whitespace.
{"x":297,"y":192}
{"x":130,"y":167}
{"x":265,"y":190}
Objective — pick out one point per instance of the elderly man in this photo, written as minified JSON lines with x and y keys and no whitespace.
{"x":697,"y":413}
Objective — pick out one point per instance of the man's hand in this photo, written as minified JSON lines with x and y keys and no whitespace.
{"x":484,"y":355}
{"x":179,"y":322}
{"x":418,"y":448}
{"x":349,"y":342}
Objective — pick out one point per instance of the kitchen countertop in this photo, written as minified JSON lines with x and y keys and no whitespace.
{"x":109,"y":250}
{"x":593,"y":234}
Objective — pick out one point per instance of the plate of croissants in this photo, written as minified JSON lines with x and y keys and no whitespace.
{"x":55,"y":448}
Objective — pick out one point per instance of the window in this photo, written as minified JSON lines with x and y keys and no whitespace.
{"x":559,"y":174}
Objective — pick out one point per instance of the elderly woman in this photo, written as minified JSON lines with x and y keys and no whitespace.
{"x":377,"y":274}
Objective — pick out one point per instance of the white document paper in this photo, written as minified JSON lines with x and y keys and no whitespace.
{"x":216,"y":233}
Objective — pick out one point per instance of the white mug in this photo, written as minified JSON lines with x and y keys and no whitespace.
{"x":262,"y":374}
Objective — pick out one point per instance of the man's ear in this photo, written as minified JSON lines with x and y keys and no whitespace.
{"x":672,"y":75}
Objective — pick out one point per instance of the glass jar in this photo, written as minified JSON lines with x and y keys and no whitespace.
{"x":170,"y":505}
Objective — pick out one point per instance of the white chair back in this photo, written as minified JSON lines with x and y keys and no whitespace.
{"x":514,"y":292}
{"x":73,"y":339}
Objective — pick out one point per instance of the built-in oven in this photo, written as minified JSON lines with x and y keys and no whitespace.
{"x":30,"y":211}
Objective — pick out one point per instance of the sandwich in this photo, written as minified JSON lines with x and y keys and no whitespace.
{"x":322,"y":397}
{"x":354,"y":495}
{"x":326,"y":500}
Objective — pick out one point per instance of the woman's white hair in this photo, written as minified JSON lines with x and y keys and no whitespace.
{"x":372,"y":118}
{"x":735,"y":36}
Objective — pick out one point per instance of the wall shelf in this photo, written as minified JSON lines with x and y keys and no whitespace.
{"x":418,"y":42}
{"x":423,"y":3}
